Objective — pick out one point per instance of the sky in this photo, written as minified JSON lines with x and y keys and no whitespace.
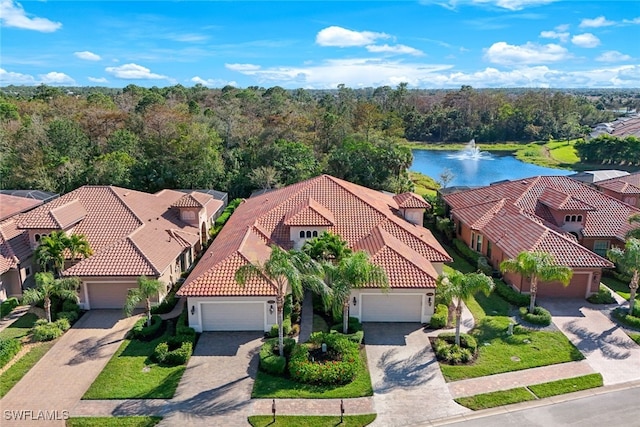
{"x":439,"y":44}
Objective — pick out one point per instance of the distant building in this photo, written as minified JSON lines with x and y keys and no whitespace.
{"x":622,"y":127}
{"x":591,"y":177}
{"x":625,"y":188}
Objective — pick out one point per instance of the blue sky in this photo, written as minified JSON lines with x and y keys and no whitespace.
{"x":427,"y":43}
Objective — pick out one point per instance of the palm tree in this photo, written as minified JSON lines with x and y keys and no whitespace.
{"x":78,"y":246}
{"x":628,"y":260}
{"x":50,"y":251}
{"x":326,"y":247}
{"x":47,"y":286}
{"x":353,"y":271}
{"x":147,"y":288}
{"x":284,"y":271}
{"x":635,"y":233}
{"x":537,"y":266}
{"x":457,"y":287}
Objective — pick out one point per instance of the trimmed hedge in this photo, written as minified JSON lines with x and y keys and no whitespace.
{"x":466,"y":252}
{"x":332,"y":372}
{"x":142,"y":332}
{"x":439,"y":318}
{"x":47,"y":331}
{"x":451,"y":353}
{"x":8,"y":305}
{"x":484,"y":266}
{"x":354,"y":330}
{"x":183,"y":333}
{"x":540,"y":316}
{"x":511,"y":295}
{"x":466,"y":340}
{"x":287,"y":309}
{"x":167,"y":304}
{"x":602,"y":297}
{"x":622,"y":314}
{"x":8,"y":349}
{"x":70,"y":316}
{"x":270,"y":361}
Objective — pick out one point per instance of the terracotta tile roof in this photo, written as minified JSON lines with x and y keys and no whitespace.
{"x":608,"y":219}
{"x":309,"y":213}
{"x":260,"y":221}
{"x":57,"y":216}
{"x":14,"y":245}
{"x":411,"y":200}
{"x":13,"y":205}
{"x":561,"y":201}
{"x":194,"y":199}
{"x":628,"y":184}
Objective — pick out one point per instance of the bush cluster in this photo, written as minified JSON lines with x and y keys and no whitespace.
{"x":8,"y":349}
{"x":354,"y":330}
{"x":439,"y":318}
{"x":466,"y":340}
{"x":484,"y":266}
{"x":286,"y":318}
{"x":179,"y":356}
{"x":622,"y":314}
{"x":183,"y":332}
{"x":47,"y":331}
{"x":270,"y":360}
{"x":467,"y":253}
{"x":8,"y":305}
{"x":540,"y":316}
{"x":167,"y":304}
{"x":451,"y":353}
{"x":142,"y":332}
{"x":602,"y":297}
{"x":224,"y":217}
{"x":510,"y":295}
{"x":332,"y":372}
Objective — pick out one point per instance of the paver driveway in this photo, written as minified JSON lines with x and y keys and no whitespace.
{"x":61,"y":377}
{"x":407,"y":383}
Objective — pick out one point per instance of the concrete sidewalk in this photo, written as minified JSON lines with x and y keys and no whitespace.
{"x":17,"y":313}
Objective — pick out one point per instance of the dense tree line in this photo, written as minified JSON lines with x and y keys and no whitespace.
{"x":239,"y":140}
{"x":610,"y":150}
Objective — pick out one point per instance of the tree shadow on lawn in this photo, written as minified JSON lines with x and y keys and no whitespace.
{"x":612,"y":347}
{"x":405,"y":372}
{"x":92,"y":348}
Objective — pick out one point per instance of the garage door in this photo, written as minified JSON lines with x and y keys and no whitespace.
{"x":233,"y":316}
{"x":108,"y":295}
{"x":391,"y":308}
{"x":577,"y":287}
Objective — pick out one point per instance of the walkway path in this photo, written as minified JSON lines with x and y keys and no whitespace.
{"x":176,"y":311}
{"x":13,"y":316}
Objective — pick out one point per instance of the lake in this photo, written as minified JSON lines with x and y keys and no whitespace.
{"x":484,"y":170}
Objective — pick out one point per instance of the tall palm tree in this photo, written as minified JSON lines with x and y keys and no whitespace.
{"x":50,"y":251}
{"x":326,"y":247}
{"x":537,"y":266}
{"x":353,"y":271}
{"x":78,"y":246}
{"x":456,"y":287}
{"x":635,"y":233}
{"x":628,"y":260}
{"x":47,"y":286}
{"x":147,"y":289}
{"x":284,"y":271}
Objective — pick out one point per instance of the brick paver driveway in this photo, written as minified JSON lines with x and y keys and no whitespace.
{"x":58,"y":381}
{"x":408,"y":386}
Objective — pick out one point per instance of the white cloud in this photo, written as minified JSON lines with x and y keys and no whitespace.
{"x":341,"y":37}
{"x":213,"y":82}
{"x":613,"y":56}
{"x":562,"y":36}
{"x":529,"y":53}
{"x":598,"y":22}
{"x":505,"y":4}
{"x":87,"y":56}
{"x":586,"y":40}
{"x":56,"y":78}
{"x":399,"y":49}
{"x":242,"y":67}
{"x":134,"y":72}
{"x":52,"y":78}
{"x":632,"y":21}
{"x":98,"y":79}
{"x":11,"y":78}
{"x":13,"y":15}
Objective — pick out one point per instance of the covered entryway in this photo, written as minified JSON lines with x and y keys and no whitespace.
{"x":233,"y":316}
{"x":108,"y":295}
{"x":391,"y":308}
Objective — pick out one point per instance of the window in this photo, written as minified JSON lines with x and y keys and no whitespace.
{"x":579,"y":218}
{"x":315,"y":234}
{"x":188,"y":215}
{"x":567,"y":218}
{"x":308,"y":234}
{"x":600,"y":247}
{"x":489,"y":250}
{"x":573,"y":218}
{"x":27,"y":271}
{"x":36,"y":237}
{"x":473,"y":239}
{"x":302,"y":234}
{"x":479,"y":243}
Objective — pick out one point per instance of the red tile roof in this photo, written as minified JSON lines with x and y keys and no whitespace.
{"x":14,"y":245}
{"x":628,"y":184}
{"x":309,"y":213}
{"x":561,"y":201}
{"x":607,"y":219}
{"x":13,"y":205}
{"x":411,"y":200}
{"x":194,"y":199}
{"x":357,"y":213}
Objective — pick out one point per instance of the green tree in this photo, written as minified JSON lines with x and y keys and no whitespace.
{"x":456,"y":287}
{"x":537,"y":266}
{"x":284,"y":271}
{"x":147,"y":289}
{"x":78,"y":246}
{"x":50,"y":252}
{"x":326,"y":247}
{"x":628,"y":261}
{"x":265,"y":177}
{"x":352,"y":271}
{"x":47,"y":286}
{"x":635,"y":233}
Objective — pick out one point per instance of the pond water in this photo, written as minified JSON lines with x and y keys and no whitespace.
{"x":475,"y":170}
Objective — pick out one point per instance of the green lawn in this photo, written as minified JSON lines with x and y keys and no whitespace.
{"x":496,"y":398}
{"x":423,"y":184}
{"x":569,"y":385}
{"x":271,"y":386}
{"x":563,"y":152}
{"x":619,"y":287}
{"x":130,"y":374}
{"x":132,"y":421}
{"x":18,"y":370}
{"x":311,"y":421}
{"x":20,"y":328}
{"x":635,"y":337}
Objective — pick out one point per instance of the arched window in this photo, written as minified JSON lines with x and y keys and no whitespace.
{"x":308,"y":234}
{"x":567,"y":218}
{"x":315,"y":234}
{"x":579,"y":218}
{"x":573,"y":218}
{"x":302,"y":234}
{"x":36,"y":237}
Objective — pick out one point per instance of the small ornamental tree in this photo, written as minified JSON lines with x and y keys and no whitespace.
{"x":47,"y":286}
{"x":628,"y":260}
{"x":147,"y":289}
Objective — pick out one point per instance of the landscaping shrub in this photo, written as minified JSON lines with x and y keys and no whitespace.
{"x":602,"y":297}
{"x":540,"y":316}
{"x":47,"y":331}
{"x":466,"y":252}
{"x":622,"y":314}
{"x":353,"y":326}
{"x":286,"y":328}
{"x":510,"y":295}
{"x":451,"y":353}
{"x":8,"y":349}
{"x":484,"y":266}
{"x":179,"y":356}
{"x":270,"y":361}
{"x":8,"y":305}
{"x":160,"y":352}
{"x":166,"y":305}
{"x":439,"y":318}
{"x":142,"y":332}
{"x":70,"y":316}
{"x":341,"y":370}
{"x":183,"y":332}
{"x":466,"y":340}
{"x":70,"y":305}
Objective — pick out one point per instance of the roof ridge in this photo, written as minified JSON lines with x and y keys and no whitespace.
{"x":144,"y":256}
{"x":390,"y":241}
{"x":115,"y":193}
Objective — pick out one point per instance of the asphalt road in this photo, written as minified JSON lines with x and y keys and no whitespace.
{"x":617,"y":408}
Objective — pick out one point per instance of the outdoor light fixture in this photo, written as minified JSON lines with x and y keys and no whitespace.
{"x":193,"y":310}
{"x":429,"y":298}
{"x":355,"y":301}
{"x":271,"y":309}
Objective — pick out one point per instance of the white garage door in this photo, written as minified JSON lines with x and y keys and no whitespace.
{"x":391,"y":308}
{"x":108,"y":295}
{"x":233,"y":316}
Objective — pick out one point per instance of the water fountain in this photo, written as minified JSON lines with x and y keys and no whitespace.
{"x":471,"y":152}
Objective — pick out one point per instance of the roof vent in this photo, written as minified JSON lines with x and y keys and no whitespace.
{"x":523,"y":182}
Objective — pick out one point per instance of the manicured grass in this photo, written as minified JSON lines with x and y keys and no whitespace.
{"x":423,"y":184}
{"x":496,"y":398}
{"x":132,"y":421}
{"x":635,"y":337}
{"x":619,"y":287}
{"x":319,"y":324}
{"x":130,"y":374}
{"x":20,"y":328}
{"x":569,"y":385}
{"x":504,"y":146}
{"x":18,"y":370}
{"x":563,"y":152}
{"x":276,"y":387}
{"x":311,"y":421}
{"x":499,"y":352}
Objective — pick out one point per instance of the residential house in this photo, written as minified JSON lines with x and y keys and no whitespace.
{"x":625,"y":188}
{"x":131,"y":234}
{"x":574,"y":222}
{"x":388,"y":227}
{"x":592,"y":177}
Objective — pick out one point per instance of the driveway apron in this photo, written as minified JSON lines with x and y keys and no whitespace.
{"x":607,"y":348}
{"x":58,"y":381}
{"x":407,"y":383}
{"x":216,"y":387}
